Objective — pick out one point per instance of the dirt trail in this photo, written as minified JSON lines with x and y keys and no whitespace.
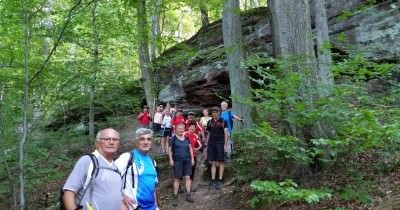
{"x":205,"y":199}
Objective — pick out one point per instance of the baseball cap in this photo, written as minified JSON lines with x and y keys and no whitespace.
{"x":215,"y":109}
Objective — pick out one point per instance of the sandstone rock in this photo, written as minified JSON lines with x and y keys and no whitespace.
{"x":201,"y":79}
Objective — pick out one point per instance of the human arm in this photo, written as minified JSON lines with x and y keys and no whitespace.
{"x":156,"y":195}
{"x":128,"y":201}
{"x":191,"y":154}
{"x":69,"y":200}
{"x":171,"y":161}
{"x":75,"y":182}
{"x":226,"y":139}
{"x":237,"y":118}
{"x":140,"y":115}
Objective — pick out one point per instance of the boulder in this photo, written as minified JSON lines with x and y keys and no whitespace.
{"x":194,"y":73}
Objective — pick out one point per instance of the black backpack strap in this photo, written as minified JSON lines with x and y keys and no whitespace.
{"x":94,"y":173}
{"x":95,"y":162}
{"x":127,"y":168}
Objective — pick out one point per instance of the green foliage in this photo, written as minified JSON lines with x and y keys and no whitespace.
{"x":271,"y":191}
{"x":351,"y":193}
{"x":344,"y":15}
{"x":268,"y":151}
{"x":362,"y":119}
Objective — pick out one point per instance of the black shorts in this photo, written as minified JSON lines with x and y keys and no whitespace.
{"x":166,"y":132}
{"x":156,"y":128}
{"x":182,"y":168}
{"x":215,"y":151}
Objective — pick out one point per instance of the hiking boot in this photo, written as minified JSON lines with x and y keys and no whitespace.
{"x":189,"y":198}
{"x":218,"y":185}
{"x":180,"y":190}
{"x":175,"y":200}
{"x":193,"y":189}
{"x":212,"y":184}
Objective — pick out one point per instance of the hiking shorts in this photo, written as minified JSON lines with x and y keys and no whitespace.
{"x":166,"y":132}
{"x":156,"y":128}
{"x":215,"y":151}
{"x":182,"y":168}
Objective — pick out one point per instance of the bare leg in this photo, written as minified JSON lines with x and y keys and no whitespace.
{"x":188,"y":184}
{"x":221,"y":170}
{"x":213,"y":169}
{"x":166,"y":144}
{"x":163,"y":139}
{"x":176,"y":186}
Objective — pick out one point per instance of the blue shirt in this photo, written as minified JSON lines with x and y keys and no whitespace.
{"x":227,"y":115}
{"x":147,"y":181}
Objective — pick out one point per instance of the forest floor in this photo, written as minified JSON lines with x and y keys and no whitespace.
{"x":361,"y":190}
{"x":205,"y":199}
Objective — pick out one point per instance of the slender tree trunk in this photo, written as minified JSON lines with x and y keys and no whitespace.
{"x":144,"y":59}
{"x":238,"y":76}
{"x":155,"y":29}
{"x":324,"y":73}
{"x":323,"y":77}
{"x":25,"y":104}
{"x":7,"y":168}
{"x":95,"y":69}
{"x":204,"y":13}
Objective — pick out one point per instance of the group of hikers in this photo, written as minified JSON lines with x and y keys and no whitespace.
{"x":97,"y":179}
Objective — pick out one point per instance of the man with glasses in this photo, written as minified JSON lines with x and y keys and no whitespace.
{"x":139,"y":175}
{"x":104,"y":189}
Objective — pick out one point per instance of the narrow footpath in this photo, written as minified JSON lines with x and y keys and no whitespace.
{"x":205,"y":199}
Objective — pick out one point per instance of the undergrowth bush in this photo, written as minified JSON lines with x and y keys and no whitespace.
{"x":359,"y":118}
{"x":271,"y":191}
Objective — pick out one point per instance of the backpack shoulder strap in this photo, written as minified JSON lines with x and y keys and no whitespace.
{"x":92,"y":171}
{"x":129,"y":164}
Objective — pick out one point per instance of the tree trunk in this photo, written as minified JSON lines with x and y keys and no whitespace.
{"x":144,"y":60}
{"x":292,"y":40}
{"x":25,"y":105}
{"x":204,"y":13}
{"x":95,"y":69}
{"x":155,"y":29}
{"x":6,"y":167}
{"x":233,"y":44}
{"x":324,"y":74}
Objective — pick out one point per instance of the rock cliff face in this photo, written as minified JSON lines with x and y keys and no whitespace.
{"x":195,"y":72}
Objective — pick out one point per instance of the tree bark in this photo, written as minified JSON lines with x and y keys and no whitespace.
{"x":7,"y":168}
{"x":25,"y":104}
{"x":204,"y":13}
{"x":94,"y":72}
{"x":292,"y":40}
{"x":324,"y":73}
{"x":155,"y":29}
{"x":144,"y":59}
{"x":238,"y":75}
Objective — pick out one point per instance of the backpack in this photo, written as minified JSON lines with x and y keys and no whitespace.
{"x":129,"y":164}
{"x":93,"y":171}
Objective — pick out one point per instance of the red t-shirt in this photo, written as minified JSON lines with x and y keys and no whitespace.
{"x":194,"y":141}
{"x":145,"y":119}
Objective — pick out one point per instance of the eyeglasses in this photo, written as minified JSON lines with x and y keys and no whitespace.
{"x":148,"y":139}
{"x":109,"y":139}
